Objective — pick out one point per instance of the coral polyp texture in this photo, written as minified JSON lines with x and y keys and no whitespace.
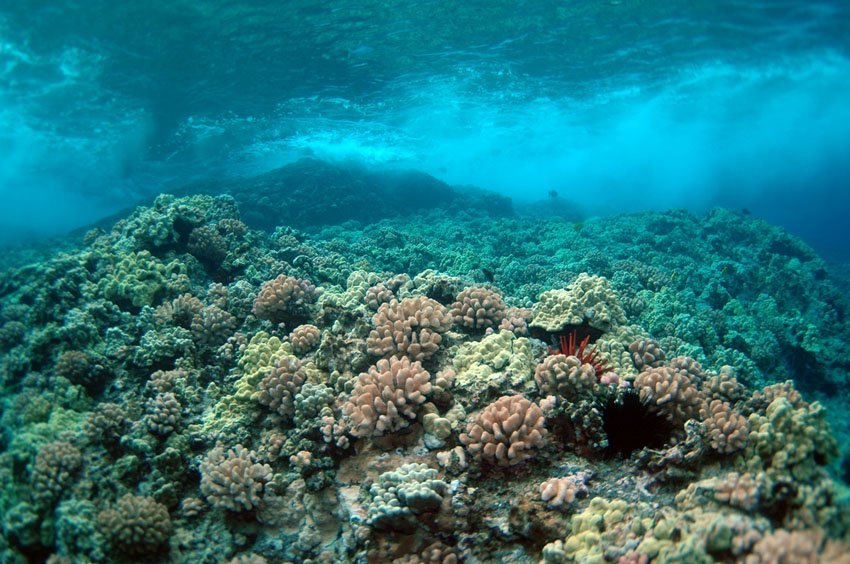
{"x":231,"y":479}
{"x":455,"y":387}
{"x":385,"y":398}
{"x":283,"y":298}
{"x":507,"y":432}
{"x":412,"y":327}
{"x":478,"y":309}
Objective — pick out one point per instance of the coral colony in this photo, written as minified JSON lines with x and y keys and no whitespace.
{"x":184,"y":388}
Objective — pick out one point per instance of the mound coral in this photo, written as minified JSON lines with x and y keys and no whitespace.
{"x":136,"y":525}
{"x":385,"y":398}
{"x":727,"y":430}
{"x":670,"y":393}
{"x":278,"y":388}
{"x":54,"y":470}
{"x":588,"y":300}
{"x":478,"y":308}
{"x":507,"y":432}
{"x":400,"y":494}
{"x":284,"y":299}
{"x":411,"y":327}
{"x":565,"y":376}
{"x":231,"y":479}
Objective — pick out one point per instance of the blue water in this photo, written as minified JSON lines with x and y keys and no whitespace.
{"x":619,"y":105}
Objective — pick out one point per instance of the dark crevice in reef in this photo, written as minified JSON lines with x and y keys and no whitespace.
{"x":808,"y":373}
{"x":629,"y":426}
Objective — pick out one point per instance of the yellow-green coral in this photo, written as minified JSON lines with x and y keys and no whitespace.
{"x":671,"y":538}
{"x":613,"y":347}
{"x":493,"y":357}
{"x":790,"y":442}
{"x":585,"y":541}
{"x":588,"y":299}
{"x":354,"y":295}
{"x":141,"y":279}
{"x":260,"y":355}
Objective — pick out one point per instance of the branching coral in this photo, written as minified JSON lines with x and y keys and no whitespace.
{"x":412,"y":327}
{"x":232,"y":479}
{"x":284,"y":298}
{"x":385,"y":398}
{"x":507,"y":432}
{"x":136,"y":525}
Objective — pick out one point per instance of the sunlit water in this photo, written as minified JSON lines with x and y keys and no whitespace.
{"x":619,"y":105}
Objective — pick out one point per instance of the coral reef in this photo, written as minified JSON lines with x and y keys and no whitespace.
{"x":184,"y":387}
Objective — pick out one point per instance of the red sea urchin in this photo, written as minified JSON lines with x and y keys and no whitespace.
{"x":567,"y":347}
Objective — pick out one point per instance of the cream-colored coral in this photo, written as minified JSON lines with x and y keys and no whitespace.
{"x":782,"y":390}
{"x":284,"y":297}
{"x":727,"y":429}
{"x":261,"y":354}
{"x":584,"y":544}
{"x":516,"y":321}
{"x":440,"y":426}
{"x":497,"y":357}
{"x":334,"y":431}
{"x":378,"y":295}
{"x":670,"y":393}
{"x":507,"y":432}
{"x":559,"y":491}
{"x":565,"y":376}
{"x":434,"y":553}
{"x":738,"y":490}
{"x":397,"y":495}
{"x":646,"y":353}
{"x":412,"y":327}
{"x":790,"y":442}
{"x":478,"y":308}
{"x":278,"y":388}
{"x":781,"y":546}
{"x":587,"y":300}
{"x":688,"y":365}
{"x":304,"y":338}
{"x":232,"y":479}
{"x":386,"y":397}
{"x":453,"y":459}
{"x":724,"y":386}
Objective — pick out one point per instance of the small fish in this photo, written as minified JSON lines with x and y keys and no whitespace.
{"x":488,"y":274}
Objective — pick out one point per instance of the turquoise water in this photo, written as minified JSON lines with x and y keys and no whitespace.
{"x":620,"y":105}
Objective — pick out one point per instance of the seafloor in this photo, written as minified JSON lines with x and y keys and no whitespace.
{"x":332,"y":365}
